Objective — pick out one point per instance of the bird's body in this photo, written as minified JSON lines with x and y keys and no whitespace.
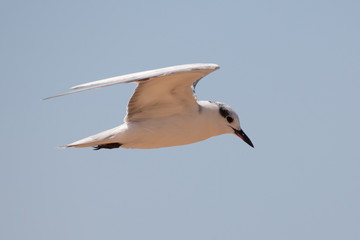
{"x":164,"y":111}
{"x":192,"y":126}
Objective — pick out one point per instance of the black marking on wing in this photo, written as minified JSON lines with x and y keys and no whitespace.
{"x":107,"y":146}
{"x":144,"y":79}
{"x":193,"y":88}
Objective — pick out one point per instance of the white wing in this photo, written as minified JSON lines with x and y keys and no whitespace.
{"x":161,"y":92}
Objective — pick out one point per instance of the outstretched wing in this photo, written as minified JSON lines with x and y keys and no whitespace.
{"x":160,"y":93}
{"x":166,"y":95}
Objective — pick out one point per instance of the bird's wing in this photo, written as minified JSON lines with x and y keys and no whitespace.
{"x":160,"y":93}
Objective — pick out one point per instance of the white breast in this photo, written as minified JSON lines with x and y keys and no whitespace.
{"x":176,"y":130}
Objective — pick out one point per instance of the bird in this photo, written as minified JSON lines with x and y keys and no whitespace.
{"x":163,"y":111}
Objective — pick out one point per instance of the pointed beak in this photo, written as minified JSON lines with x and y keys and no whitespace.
{"x":240,"y":133}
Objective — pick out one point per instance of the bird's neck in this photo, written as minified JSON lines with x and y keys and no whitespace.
{"x":210,"y":116}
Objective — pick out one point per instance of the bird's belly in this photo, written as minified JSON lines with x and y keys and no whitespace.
{"x":160,"y":134}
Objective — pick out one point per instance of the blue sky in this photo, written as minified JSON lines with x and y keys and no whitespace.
{"x":289,"y":68}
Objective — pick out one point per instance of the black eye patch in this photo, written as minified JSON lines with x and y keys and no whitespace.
{"x":223,"y":112}
{"x":229,"y":119}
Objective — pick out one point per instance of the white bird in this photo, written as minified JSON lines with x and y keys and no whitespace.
{"x":164,"y":111}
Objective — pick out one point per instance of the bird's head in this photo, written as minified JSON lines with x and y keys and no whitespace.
{"x":232,"y":122}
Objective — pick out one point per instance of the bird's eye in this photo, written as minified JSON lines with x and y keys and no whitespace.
{"x":229,"y":119}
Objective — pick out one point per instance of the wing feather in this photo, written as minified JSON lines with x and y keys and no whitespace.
{"x":160,"y":92}
{"x":164,"y":96}
{"x":137,"y":77}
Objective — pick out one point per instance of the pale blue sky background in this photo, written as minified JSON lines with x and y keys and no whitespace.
{"x":289,"y":68}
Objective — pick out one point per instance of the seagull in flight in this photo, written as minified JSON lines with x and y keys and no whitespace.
{"x":163,"y":111}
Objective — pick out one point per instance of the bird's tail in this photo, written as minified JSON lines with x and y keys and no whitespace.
{"x":101,"y":140}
